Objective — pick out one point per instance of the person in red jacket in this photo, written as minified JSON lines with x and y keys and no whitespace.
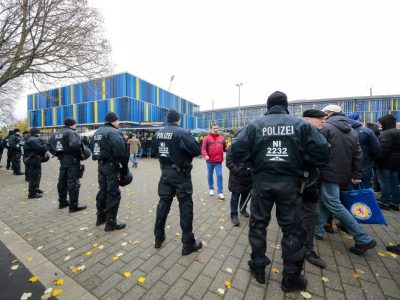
{"x":213,"y":149}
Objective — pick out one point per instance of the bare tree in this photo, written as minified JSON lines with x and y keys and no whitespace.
{"x":9,"y":94}
{"x":51,"y":39}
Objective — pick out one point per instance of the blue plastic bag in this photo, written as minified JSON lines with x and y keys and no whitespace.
{"x":363,"y":206}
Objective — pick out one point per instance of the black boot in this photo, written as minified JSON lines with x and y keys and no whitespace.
{"x":259,"y":273}
{"x":63,"y":204}
{"x":158,"y":242}
{"x":39,"y":191}
{"x":34,"y":196}
{"x":101,"y":219}
{"x":295,"y":282}
{"x":189,"y":248}
{"x":111,"y":222}
{"x":74,"y":206}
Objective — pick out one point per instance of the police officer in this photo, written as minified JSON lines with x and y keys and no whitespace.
{"x":109,"y":149}
{"x":35,"y":150}
{"x":66,"y":145}
{"x":278,"y":145}
{"x":15,"y":150}
{"x":25,"y":136}
{"x":1,"y":149}
{"x":7,"y":146}
{"x":175,"y":148}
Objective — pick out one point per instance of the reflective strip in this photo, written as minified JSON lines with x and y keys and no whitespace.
{"x":103,"y":88}
{"x":137,"y":88}
{"x":95,"y":112}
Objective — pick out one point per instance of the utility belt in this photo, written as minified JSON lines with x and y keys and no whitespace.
{"x":185,"y":169}
{"x":106,"y":161}
{"x":305,"y":181}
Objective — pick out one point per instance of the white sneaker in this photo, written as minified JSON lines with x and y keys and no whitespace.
{"x":221,"y":196}
{"x":211,"y":192}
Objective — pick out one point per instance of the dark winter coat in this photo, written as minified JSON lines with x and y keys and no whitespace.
{"x":368,"y":141}
{"x":239,"y":175}
{"x":389,"y":156}
{"x":346,"y":161}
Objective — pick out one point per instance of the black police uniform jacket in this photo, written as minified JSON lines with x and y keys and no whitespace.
{"x":108,"y":145}
{"x":34,"y":149}
{"x":71,"y":147}
{"x":174,"y":145}
{"x":15,"y":143}
{"x":239,"y":175}
{"x":280,"y":144}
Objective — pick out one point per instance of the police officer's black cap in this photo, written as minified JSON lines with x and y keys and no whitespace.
{"x":314,"y":113}
{"x":69,"y":122}
{"x":17,"y":130}
{"x":111,"y":117}
{"x":34,"y":131}
{"x":277,"y":98}
{"x":173,"y":116}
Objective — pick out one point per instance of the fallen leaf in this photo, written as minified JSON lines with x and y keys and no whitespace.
{"x":90,"y":234}
{"x":134,"y":242}
{"x":324,"y":279}
{"x":229,"y":270}
{"x":47,"y":294}
{"x":168,"y":226}
{"x":356,"y":276}
{"x":14,"y":261}
{"x":392,"y":254}
{"x":275,"y":270}
{"x":305,"y":295}
{"x":59,"y":281}
{"x":83,"y":228}
{"x":381,"y":253}
{"x":115,"y":258}
{"x":127,"y":274}
{"x":391,"y":244}
{"x":70,"y":248}
{"x":228,"y":284}
{"x":26,"y":296}
{"x":100,"y":247}
{"x":14,"y":267}
{"x":120,"y":254}
{"x":33,"y":279}
{"x":178,"y":234}
{"x":95,"y":245}
{"x":141,"y":280}
{"x":89,"y":253}
{"x":221,"y":227}
{"x":221,"y":291}
{"x":124,"y":244}
{"x":67,"y":258}
{"x":81,"y":268}
{"x":29,"y":259}
{"x":56,"y":292}
{"x":40,"y":247}
{"x":360,"y":271}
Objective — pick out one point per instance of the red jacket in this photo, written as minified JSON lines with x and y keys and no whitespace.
{"x":214,"y":146}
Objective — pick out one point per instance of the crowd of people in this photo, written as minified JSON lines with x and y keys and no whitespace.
{"x":298,"y":165}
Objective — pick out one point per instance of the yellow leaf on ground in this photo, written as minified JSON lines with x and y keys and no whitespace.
{"x":95,"y":245}
{"x":33,"y":279}
{"x":356,"y":276}
{"x":29,"y":259}
{"x":381,"y":253}
{"x":394,"y":255}
{"x":324,"y":279}
{"x":305,"y":295}
{"x":228,"y":284}
{"x":275,"y":270}
{"x":134,"y":242}
{"x":360,"y":271}
{"x":88,"y":253}
{"x":59,"y":281}
{"x":141,"y":280}
{"x":127,"y":274}
{"x":115,"y":258}
{"x":391,"y":244}
{"x":178,"y":234}
{"x":56,"y":292}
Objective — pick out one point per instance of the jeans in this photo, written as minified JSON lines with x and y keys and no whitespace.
{"x":366,"y":175}
{"x":330,"y":203}
{"x":140,"y":152}
{"x":148,"y":151}
{"x":389,"y":182}
{"x":133,"y":160}
{"x":210,"y":171}
{"x":235,"y":202}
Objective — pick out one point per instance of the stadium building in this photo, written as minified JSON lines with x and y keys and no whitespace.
{"x":139,"y":104}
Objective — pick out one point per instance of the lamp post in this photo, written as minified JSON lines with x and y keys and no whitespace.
{"x":170,"y":82}
{"x":239,"y":112}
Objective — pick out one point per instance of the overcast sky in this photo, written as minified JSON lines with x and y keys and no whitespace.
{"x":308,"y":49}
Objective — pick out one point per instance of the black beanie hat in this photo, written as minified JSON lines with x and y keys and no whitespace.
{"x":173,"y":116}
{"x":277,"y":98}
{"x":34,"y":131}
{"x":111,"y":117}
{"x":69,"y":122}
{"x":17,"y":130}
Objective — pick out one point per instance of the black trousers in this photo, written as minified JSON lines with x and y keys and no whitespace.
{"x":283,"y":193}
{"x":109,"y":194}
{"x":176,"y":183}
{"x":310,"y":202}
{"x":68,"y":183}
{"x":16,"y":162}
{"x":33,"y":168}
{"x":8,"y":159}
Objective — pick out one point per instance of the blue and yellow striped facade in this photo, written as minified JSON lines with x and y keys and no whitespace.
{"x":132,"y":98}
{"x":370,"y":108}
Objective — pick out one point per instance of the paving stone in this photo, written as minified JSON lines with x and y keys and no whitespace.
{"x":178,"y":289}
{"x":112,"y":294}
{"x":333,"y":294}
{"x":388,"y":287}
{"x":255,"y":292}
{"x":199,"y":287}
{"x":173,"y":274}
{"x":353,"y":292}
{"x":107,"y":285}
{"x":212,"y":268}
{"x":274,"y":290}
{"x":156,"y":293}
{"x":372,"y":291}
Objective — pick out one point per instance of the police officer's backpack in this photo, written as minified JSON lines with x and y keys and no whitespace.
{"x":85,"y":152}
{"x":57,"y":144}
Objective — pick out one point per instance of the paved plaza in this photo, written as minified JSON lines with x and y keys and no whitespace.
{"x":94,"y":264}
